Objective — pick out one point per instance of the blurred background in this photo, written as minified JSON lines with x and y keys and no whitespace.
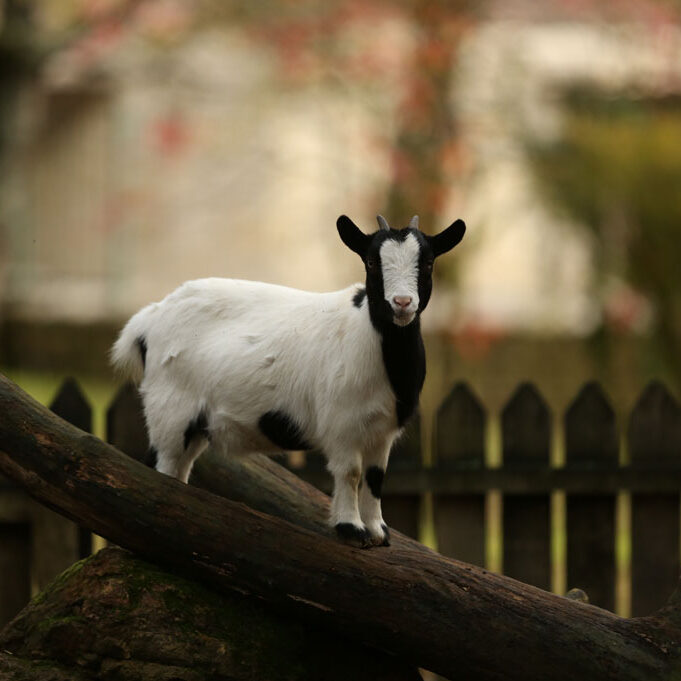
{"x":147,"y":142}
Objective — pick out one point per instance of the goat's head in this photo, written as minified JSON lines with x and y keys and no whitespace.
{"x":399,"y":265}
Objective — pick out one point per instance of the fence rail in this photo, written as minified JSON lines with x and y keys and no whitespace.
{"x":606,"y":475}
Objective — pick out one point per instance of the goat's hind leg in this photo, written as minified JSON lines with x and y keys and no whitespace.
{"x":175,"y":447}
{"x":177,"y":462}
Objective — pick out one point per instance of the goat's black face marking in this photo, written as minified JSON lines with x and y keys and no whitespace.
{"x":359,"y":297}
{"x":402,"y":346}
{"x":377,"y":273}
{"x":142,"y":345}
{"x":419,"y":254}
{"x":425,"y":273}
{"x":198,"y":427}
{"x":151,"y":459}
{"x":409,"y":268}
{"x":374,"y":477}
{"x":404,"y":356}
{"x":283,"y":431}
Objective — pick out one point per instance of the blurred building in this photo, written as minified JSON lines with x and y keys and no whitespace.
{"x":148,"y":152}
{"x":134,"y":166}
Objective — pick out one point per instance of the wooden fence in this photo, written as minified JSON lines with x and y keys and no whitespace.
{"x":614,"y":488}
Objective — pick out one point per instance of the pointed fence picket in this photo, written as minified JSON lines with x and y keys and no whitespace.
{"x":403,"y":511}
{"x":125,"y":427}
{"x":459,"y":445}
{"x":654,"y":439}
{"x":597,"y":471}
{"x":526,"y":438}
{"x":72,"y":406}
{"x":591,"y":444}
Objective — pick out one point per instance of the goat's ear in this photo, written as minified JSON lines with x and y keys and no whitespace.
{"x":448,"y":238}
{"x":352,"y":236}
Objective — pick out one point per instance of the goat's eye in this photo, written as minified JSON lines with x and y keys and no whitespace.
{"x":429,"y":265}
{"x":371,"y":264}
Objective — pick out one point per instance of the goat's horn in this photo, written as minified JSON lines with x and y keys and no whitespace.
{"x":414,"y":222}
{"x":382,"y":222}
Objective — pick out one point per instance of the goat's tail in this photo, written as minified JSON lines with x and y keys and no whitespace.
{"x":129,"y":352}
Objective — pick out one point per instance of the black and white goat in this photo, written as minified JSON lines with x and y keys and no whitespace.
{"x":255,"y":367}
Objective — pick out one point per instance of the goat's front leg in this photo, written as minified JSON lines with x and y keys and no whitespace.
{"x":345,"y":518}
{"x":374,"y":463}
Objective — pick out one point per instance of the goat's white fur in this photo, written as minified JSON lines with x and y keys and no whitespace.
{"x":238,"y":349}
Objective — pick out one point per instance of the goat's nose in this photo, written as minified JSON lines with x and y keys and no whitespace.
{"x":402,"y":301}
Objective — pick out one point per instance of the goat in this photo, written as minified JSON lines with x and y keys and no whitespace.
{"x":255,"y":367}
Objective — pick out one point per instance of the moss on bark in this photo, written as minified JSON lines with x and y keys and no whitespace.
{"x":114,"y":616}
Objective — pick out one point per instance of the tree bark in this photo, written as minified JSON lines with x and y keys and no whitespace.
{"x":116,"y":617}
{"x":432,"y":612}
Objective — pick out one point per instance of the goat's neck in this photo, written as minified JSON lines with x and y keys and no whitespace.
{"x":404,"y":358}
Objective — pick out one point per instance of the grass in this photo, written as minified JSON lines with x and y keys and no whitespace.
{"x":43,"y":387}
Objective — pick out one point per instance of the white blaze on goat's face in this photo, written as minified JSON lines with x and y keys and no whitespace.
{"x":400,"y":266}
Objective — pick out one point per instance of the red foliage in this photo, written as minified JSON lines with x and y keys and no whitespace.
{"x":626,"y":310}
{"x":475,"y":340}
{"x":170,"y":134}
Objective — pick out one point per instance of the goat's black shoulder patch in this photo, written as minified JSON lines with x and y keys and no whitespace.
{"x":142,"y":345}
{"x":374,"y":477}
{"x":151,"y":459}
{"x":359,"y":297}
{"x":198,"y":427}
{"x":283,"y":431}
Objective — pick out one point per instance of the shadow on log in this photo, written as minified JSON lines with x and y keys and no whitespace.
{"x":116,"y":617}
{"x":430,"y":611}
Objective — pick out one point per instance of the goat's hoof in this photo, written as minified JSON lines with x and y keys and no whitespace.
{"x":386,"y":535}
{"x":354,"y":535}
{"x":380,"y":535}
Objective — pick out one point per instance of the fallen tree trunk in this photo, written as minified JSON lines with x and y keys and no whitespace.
{"x":433,"y":612}
{"x":116,"y":617}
